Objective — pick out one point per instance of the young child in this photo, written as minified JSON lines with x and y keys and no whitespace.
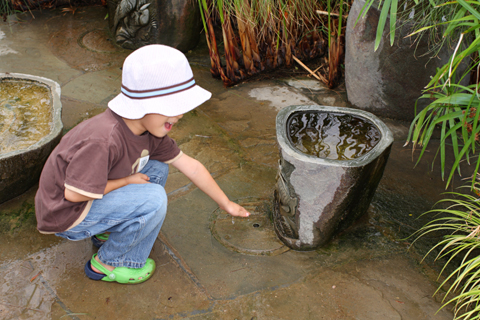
{"x":107,"y":175}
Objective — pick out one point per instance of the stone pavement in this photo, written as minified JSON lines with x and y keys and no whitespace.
{"x":366,"y":272}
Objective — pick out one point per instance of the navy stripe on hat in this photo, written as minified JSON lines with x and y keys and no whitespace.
{"x":146,"y":94}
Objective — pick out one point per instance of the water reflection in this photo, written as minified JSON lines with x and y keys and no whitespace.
{"x":331,"y":135}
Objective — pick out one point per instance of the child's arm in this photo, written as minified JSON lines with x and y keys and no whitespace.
{"x":200,"y":176}
{"x":137,"y":178}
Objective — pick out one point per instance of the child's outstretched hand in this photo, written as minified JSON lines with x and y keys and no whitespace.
{"x":236,"y":210}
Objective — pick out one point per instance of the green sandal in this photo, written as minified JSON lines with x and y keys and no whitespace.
{"x":99,"y":239}
{"x":120,"y":274}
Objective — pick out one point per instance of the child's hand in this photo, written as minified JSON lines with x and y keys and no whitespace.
{"x":236,"y":210}
{"x":137,"y":178}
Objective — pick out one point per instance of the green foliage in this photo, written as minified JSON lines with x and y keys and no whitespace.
{"x":9,"y":7}
{"x":455,"y":108}
{"x":461,"y":220}
{"x":439,"y":18}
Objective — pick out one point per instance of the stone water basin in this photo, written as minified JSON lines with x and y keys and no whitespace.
{"x":331,"y":161}
{"x":30,"y":127}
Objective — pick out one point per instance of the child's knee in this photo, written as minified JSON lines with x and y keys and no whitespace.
{"x":156,"y":198}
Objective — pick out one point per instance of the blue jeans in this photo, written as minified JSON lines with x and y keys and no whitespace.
{"x":133,"y":214}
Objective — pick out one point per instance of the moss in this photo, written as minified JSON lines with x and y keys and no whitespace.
{"x":11,"y":221}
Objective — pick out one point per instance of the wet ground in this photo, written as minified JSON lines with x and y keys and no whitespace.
{"x":233,"y":268}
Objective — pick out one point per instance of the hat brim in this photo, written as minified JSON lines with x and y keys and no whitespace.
{"x":170,"y":105}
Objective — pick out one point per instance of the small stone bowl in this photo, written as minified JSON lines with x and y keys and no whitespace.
{"x":20,"y":169}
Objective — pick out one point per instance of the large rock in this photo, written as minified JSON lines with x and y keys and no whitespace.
{"x":136,"y":23}
{"x":386,"y":82}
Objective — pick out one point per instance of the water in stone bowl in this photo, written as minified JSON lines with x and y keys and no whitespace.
{"x":330,"y":135}
{"x":30,"y":128}
{"x":25,"y":114}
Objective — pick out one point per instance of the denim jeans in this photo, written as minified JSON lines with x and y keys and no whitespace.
{"x":133,"y":214}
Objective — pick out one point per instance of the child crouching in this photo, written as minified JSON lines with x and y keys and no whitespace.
{"x":105,"y":180}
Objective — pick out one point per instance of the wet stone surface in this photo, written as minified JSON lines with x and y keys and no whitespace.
{"x":98,"y":41}
{"x":254,"y":235}
{"x":364,"y":272}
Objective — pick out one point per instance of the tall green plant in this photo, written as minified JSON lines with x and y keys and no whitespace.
{"x":455,"y":107}
{"x":461,"y":221}
{"x":420,"y":15}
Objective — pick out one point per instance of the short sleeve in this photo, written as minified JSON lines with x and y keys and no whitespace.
{"x":87,"y":170}
{"x":165,"y":149}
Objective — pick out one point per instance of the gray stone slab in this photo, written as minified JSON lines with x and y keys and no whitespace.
{"x":279,"y":96}
{"x":95,"y":87}
{"x":224,"y":273}
{"x":51,"y":284}
{"x":22,"y":52}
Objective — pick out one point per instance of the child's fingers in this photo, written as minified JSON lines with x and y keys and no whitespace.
{"x":237,"y":210}
{"x":242,"y":212}
{"x":245,"y":213}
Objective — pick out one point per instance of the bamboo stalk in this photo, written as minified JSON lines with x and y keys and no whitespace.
{"x":325,"y":13}
{"x":318,"y":77}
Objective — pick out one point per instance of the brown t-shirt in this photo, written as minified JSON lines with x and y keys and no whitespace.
{"x":97,"y":150}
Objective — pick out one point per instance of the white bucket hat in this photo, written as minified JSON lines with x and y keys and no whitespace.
{"x":157,"y":79}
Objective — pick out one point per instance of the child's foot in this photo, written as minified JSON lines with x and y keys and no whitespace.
{"x":99,"y":239}
{"x":97,"y":270}
{"x":106,"y":266}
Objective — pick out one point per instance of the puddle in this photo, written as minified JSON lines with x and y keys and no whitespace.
{"x":279,"y":97}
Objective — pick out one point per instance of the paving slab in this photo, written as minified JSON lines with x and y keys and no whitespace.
{"x":27,"y":43}
{"x":96,"y":87}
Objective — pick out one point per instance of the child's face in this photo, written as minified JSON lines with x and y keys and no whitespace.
{"x":159,"y":125}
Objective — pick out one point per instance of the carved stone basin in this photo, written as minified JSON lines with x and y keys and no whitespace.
{"x":314,"y":196}
{"x":26,"y":142}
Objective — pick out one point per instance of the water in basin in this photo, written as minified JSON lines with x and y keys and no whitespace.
{"x":25,"y":114}
{"x":331,"y":135}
